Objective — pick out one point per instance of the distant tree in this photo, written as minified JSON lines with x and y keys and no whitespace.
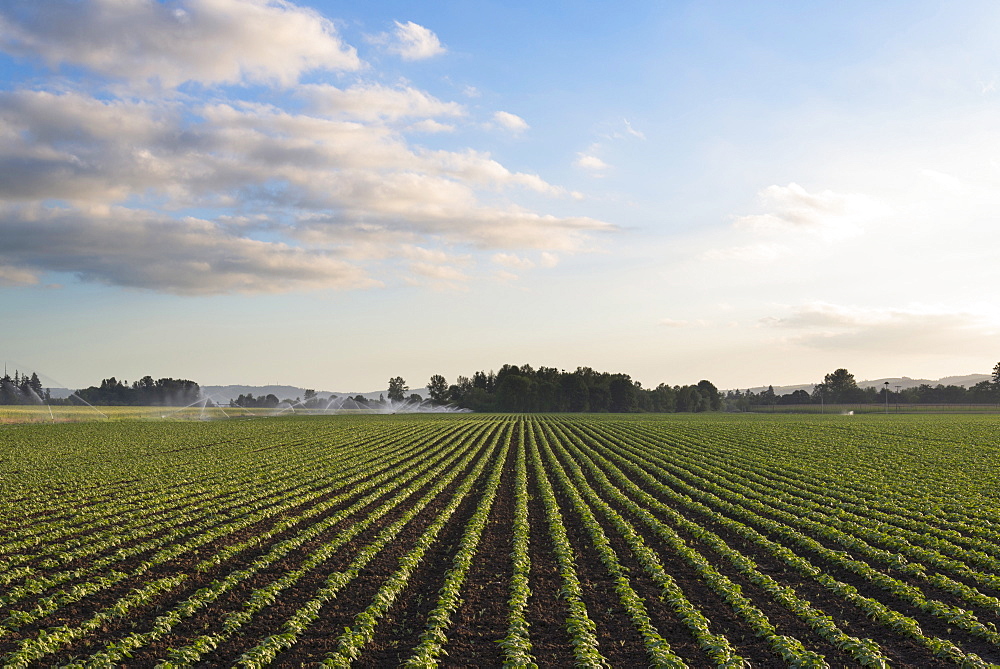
{"x":996,"y":375}
{"x":796,"y":397}
{"x":514,"y":392}
{"x":36,"y":385}
{"x":711,"y":394}
{"x":311,"y":400}
{"x":397,"y":389}
{"x":689,"y":398}
{"x":621,"y":393}
{"x":415,"y":398}
{"x":574,"y":390}
{"x":437,"y":388}
{"x":663,"y":398}
{"x":840,"y":386}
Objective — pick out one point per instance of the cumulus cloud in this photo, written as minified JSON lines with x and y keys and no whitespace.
{"x":234,"y":193}
{"x":411,"y":41}
{"x":797,"y":223}
{"x":371,"y":101}
{"x":512,"y":260}
{"x":429,"y":125}
{"x":135,"y":249}
{"x":511,"y":122}
{"x":793,"y":208}
{"x":203,"y":41}
{"x":590,"y":162}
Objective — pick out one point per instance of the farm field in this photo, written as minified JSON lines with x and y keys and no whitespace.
{"x":490,"y":540}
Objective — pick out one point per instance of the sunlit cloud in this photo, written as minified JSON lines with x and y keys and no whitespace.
{"x":792,"y":207}
{"x":138,"y":250}
{"x":411,"y":41}
{"x":430,"y":126}
{"x":309,"y":188}
{"x":590,"y":163}
{"x":371,"y":101}
{"x":512,"y":261}
{"x":203,"y":41}
{"x":511,"y":122}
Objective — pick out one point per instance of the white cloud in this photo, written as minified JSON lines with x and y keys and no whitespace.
{"x":135,"y":249}
{"x":590,"y":162}
{"x":505,"y":276}
{"x":513,"y":261}
{"x":632,"y":131}
{"x":792,"y":208}
{"x":430,"y":126}
{"x":204,"y":41}
{"x":411,"y":41}
{"x":326,"y":183}
{"x":511,"y":122}
{"x":437,"y":272}
{"x":371,"y":101}
{"x":238,"y":194}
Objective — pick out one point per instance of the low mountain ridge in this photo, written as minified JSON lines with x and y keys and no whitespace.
{"x":903,"y":382}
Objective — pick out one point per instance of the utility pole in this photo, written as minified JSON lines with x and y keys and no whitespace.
{"x":887,"y":398}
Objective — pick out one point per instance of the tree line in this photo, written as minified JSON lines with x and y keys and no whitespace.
{"x":840,"y":387}
{"x":144,"y":392}
{"x":24,"y":389}
{"x":524,"y":389}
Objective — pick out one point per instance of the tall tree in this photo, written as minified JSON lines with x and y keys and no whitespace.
{"x":437,"y":388}
{"x":397,"y":389}
{"x":839,"y":386}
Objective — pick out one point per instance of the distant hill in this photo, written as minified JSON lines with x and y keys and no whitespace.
{"x":903,"y":382}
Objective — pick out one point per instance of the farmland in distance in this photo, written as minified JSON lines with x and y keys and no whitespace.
{"x":491,"y":540}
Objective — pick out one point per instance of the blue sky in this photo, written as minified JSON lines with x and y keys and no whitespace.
{"x":328,"y":194}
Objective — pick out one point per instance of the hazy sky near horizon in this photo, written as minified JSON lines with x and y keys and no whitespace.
{"x":328,"y":194}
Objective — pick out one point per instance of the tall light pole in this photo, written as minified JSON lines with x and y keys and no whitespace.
{"x":887,"y":398}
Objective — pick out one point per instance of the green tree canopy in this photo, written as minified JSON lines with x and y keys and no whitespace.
{"x":397,"y":389}
{"x":437,"y":388}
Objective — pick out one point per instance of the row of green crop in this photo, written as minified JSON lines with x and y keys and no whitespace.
{"x":744,"y":499}
{"x":647,"y":473}
{"x":402,"y":462}
{"x":643,"y":491}
{"x":184,"y":533}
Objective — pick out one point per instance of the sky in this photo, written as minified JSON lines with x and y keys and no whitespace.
{"x":329,"y":194}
